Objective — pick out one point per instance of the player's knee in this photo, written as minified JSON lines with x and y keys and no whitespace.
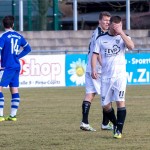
{"x":89,"y":97}
{"x":107,"y":107}
{"x":120,"y":104}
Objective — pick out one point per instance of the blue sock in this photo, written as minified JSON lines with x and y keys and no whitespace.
{"x":14,"y":104}
{"x":1,"y":104}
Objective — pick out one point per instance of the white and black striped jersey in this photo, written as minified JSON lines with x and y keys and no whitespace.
{"x":97,"y":32}
{"x":112,"y":50}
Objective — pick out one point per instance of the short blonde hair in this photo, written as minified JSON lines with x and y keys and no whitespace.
{"x":104,"y":13}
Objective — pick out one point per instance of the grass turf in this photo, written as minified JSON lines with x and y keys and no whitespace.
{"x":49,"y":119}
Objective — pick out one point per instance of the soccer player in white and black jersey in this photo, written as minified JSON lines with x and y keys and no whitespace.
{"x":111,"y":50}
{"x":92,"y":86}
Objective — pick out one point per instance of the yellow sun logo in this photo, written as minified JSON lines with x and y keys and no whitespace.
{"x":80,"y":71}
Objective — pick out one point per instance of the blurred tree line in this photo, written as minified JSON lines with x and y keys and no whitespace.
{"x":37,"y":14}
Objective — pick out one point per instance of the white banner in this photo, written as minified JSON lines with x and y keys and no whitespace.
{"x":42,"y":71}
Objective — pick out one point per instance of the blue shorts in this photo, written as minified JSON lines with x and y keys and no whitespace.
{"x":9,"y":77}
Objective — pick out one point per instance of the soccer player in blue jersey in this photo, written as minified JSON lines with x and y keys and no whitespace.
{"x":10,"y":43}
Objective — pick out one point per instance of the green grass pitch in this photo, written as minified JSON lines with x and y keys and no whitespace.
{"x":49,"y":119}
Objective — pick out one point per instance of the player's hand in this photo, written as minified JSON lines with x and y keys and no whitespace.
{"x":94,"y":74}
{"x":118,"y":28}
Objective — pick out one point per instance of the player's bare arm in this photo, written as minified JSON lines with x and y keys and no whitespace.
{"x":118,"y":29}
{"x":93,"y":66}
{"x":99,"y":59}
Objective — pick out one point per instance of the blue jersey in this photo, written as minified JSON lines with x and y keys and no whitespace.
{"x":10,"y":43}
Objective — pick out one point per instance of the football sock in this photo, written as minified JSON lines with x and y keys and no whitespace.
{"x":14,"y":104}
{"x":121,"y":115}
{"x":85,"y":111}
{"x":1,"y":104}
{"x":105,"y":118}
{"x":111,"y":115}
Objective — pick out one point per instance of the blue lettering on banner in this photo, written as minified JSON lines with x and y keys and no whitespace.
{"x":138,"y":68}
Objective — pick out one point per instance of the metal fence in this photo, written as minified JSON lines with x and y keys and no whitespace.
{"x":32,"y":14}
{"x":42,"y":52}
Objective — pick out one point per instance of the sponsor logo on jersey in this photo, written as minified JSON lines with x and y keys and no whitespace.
{"x":117,"y":41}
{"x":111,"y":52}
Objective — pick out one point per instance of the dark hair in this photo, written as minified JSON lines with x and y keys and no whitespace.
{"x":8,"y":21}
{"x":115,"y":19}
{"x":104,"y":13}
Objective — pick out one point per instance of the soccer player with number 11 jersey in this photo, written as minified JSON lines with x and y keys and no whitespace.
{"x":110,"y":48}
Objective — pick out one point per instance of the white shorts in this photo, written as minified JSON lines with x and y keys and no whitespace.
{"x":92,"y":85}
{"x":113,"y":89}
